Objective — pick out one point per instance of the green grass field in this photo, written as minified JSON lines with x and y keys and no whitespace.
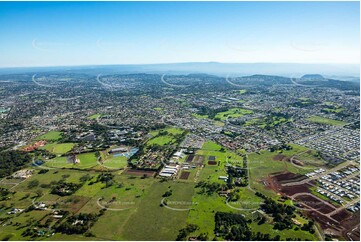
{"x":95,"y":116}
{"x":170,"y":130}
{"x":116,"y":162}
{"x":164,"y":139}
{"x":156,"y":222}
{"x":199,"y":116}
{"x":50,"y":136}
{"x":232,"y":113}
{"x":322,"y":120}
{"x":58,"y":149}
{"x":161,"y":140}
{"x":87,"y":160}
{"x":262,"y":123}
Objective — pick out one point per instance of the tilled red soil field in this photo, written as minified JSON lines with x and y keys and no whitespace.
{"x":342,"y":215}
{"x":140,"y":172}
{"x":280,"y":157}
{"x":184,"y":175}
{"x":199,"y":160}
{"x":291,"y":190}
{"x":286,"y":177}
{"x":315,"y":203}
{"x":190,"y":158}
{"x":324,"y":221}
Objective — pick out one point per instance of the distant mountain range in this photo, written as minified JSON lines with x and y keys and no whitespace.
{"x":349,"y":72}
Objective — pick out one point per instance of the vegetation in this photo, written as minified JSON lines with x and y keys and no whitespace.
{"x":11,"y":161}
{"x":50,"y":136}
{"x":78,"y":224}
{"x":322,"y":120}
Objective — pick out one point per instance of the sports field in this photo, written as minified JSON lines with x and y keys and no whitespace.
{"x":50,"y":136}
{"x":58,"y":149}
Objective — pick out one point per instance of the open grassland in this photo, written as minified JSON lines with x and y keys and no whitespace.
{"x":311,"y":158}
{"x":232,"y":113}
{"x":157,"y":222}
{"x":50,"y":136}
{"x":322,"y":120}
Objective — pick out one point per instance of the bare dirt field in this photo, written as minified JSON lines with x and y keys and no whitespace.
{"x":140,"y":172}
{"x":199,"y":160}
{"x":190,"y":158}
{"x":286,"y":177}
{"x":316,"y":203}
{"x":184,"y":175}
{"x":280,"y":157}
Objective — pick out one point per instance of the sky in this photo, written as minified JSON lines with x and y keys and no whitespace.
{"x":91,"y":33}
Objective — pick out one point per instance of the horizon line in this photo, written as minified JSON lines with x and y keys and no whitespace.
{"x":189,"y":62}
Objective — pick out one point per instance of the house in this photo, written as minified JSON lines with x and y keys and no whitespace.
{"x":224,"y":178}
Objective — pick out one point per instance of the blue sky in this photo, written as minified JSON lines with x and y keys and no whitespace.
{"x":87,"y":33}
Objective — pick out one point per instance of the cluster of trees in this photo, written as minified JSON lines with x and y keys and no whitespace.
{"x":44,"y":154}
{"x":240,"y":174}
{"x":183,"y":233}
{"x":106,"y":178}
{"x":234,"y":195}
{"x":204,"y":110}
{"x":282,"y":214}
{"x":167,"y":193}
{"x":309,"y":227}
{"x":78,"y":224}
{"x":235,"y":227}
{"x":280,"y":147}
{"x":11,"y":161}
{"x":65,"y":188}
{"x":4,"y":193}
{"x":208,"y":188}
{"x":272,"y":207}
